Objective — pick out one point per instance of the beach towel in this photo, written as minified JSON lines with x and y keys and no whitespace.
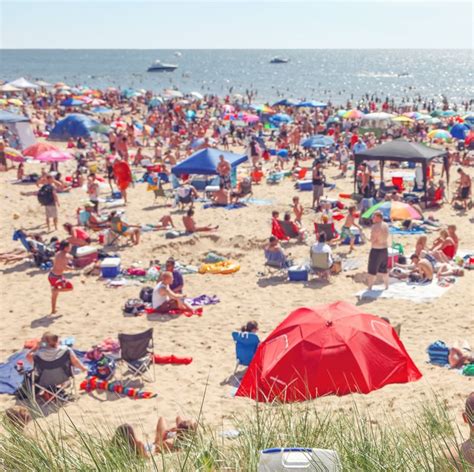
{"x":407,"y":232}
{"x":438,"y":353}
{"x":230,"y":206}
{"x":213,"y":257}
{"x":259,"y":202}
{"x":203,"y":300}
{"x":188,"y":314}
{"x":405,"y":291}
{"x":10,"y":379}
{"x":157,"y":359}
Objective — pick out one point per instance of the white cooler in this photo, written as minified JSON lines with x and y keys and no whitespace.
{"x":299,"y":459}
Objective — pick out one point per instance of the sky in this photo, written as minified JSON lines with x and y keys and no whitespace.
{"x":235,"y":24}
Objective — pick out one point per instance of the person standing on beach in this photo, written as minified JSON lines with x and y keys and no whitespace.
{"x":56,"y":277}
{"x":223,"y":169}
{"x":318,"y":185}
{"x":49,"y":199}
{"x":378,"y":256}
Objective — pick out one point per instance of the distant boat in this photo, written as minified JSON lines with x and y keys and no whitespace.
{"x":279,"y":60}
{"x":177,"y":54}
{"x":403,"y":74}
{"x":159,"y":66}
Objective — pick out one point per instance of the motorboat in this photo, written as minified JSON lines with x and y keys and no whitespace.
{"x":279,"y":60}
{"x":177,"y":54}
{"x":159,"y":66}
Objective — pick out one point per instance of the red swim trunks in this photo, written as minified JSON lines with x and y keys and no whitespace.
{"x":58,"y":281}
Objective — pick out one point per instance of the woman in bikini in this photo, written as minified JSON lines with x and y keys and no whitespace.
{"x":444,"y":248}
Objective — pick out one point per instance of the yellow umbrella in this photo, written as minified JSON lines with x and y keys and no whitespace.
{"x":3,"y":102}
{"x":402,"y":119}
{"x":15,"y":101}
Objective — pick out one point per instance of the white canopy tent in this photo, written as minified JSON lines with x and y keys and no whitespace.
{"x":22,"y":83}
{"x":7,"y":88}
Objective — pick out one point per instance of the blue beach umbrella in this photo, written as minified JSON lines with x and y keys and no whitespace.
{"x":312,"y":104}
{"x":102,"y":110}
{"x":71,"y":102}
{"x":281,"y":118}
{"x":459,"y":131}
{"x":282,"y":153}
{"x":317,"y":141}
{"x":286,"y":102}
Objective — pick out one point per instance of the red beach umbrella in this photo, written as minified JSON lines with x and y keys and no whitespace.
{"x":39,"y":148}
{"x":329,"y":349}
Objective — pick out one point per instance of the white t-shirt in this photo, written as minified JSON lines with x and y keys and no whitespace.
{"x":321,"y":248}
{"x":157,"y":299}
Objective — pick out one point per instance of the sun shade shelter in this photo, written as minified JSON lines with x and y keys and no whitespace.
{"x":205,"y":161}
{"x":401,"y":150}
{"x":22,"y":83}
{"x":331,"y":349}
{"x":20,"y":126}
{"x":73,"y":126}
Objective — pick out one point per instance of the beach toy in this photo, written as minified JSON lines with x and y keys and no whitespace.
{"x":93,"y":383}
{"x":157,"y":359}
{"x":223,"y":267}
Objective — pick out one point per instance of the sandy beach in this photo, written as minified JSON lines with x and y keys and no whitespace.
{"x":93,"y":312}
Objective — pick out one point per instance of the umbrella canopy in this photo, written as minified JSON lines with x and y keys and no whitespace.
{"x":312,"y":104}
{"x":39,"y":148}
{"x":15,"y":101}
{"x":317,"y":141}
{"x":72,"y":102}
{"x":204,"y":162}
{"x":394,"y":211}
{"x":281,"y":118}
{"x":329,"y":349}
{"x":459,"y":131}
{"x":169,"y":93}
{"x":54,"y":156}
{"x":14,"y":155}
{"x":379,"y":116}
{"x":22,"y":83}
{"x":286,"y":102}
{"x":402,"y":119}
{"x":197,"y":95}
{"x":43,"y":83}
{"x":101,"y":110}
{"x":439,"y":134}
{"x":353,"y":114}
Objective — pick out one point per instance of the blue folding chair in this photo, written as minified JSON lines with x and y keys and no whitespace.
{"x":245,"y":347}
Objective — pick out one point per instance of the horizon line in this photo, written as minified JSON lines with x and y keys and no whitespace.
{"x":241,"y":49}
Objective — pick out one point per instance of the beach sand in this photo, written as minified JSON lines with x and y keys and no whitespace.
{"x":93,"y":312}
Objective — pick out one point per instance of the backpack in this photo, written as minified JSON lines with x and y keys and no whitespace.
{"x":46,"y":195}
{"x":146,"y":294}
{"x":134,"y":306}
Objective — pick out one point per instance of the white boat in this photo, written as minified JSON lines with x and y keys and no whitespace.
{"x":177,"y":54}
{"x":158,"y":66}
{"x":279,"y":60}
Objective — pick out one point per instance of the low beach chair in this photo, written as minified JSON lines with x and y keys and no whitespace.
{"x":245,"y":347}
{"x":320,"y":264}
{"x":54,"y":380}
{"x":276,"y":260}
{"x":328,"y":229}
{"x":136,"y":354}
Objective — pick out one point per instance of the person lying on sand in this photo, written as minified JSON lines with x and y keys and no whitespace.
{"x":420,"y":270}
{"x":190,"y":224}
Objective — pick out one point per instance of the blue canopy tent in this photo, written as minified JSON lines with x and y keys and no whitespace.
{"x":73,"y":126}
{"x":204,"y":162}
{"x":312,"y":104}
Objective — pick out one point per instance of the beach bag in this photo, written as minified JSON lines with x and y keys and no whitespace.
{"x":438,"y":353}
{"x":46,"y":195}
{"x":146,"y":294}
{"x":468,"y":370}
{"x":133,"y":306}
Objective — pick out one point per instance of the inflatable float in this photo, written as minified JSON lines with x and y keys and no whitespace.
{"x":223,"y":267}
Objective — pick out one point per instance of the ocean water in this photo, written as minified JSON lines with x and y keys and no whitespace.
{"x":311,"y":74}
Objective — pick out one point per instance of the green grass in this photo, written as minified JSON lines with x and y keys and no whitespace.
{"x":419,"y":442}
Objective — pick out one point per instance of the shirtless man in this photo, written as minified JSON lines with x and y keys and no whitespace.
{"x":346,"y":228}
{"x":221,"y":197}
{"x":56,"y":276}
{"x":378,"y":256}
{"x":465,"y":185}
{"x":190,"y":224}
{"x":223,"y":169}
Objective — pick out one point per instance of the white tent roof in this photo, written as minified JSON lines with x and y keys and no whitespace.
{"x":42,"y":83}
{"x":9,"y":88}
{"x":22,"y":83}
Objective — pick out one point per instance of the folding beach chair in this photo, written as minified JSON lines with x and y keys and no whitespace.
{"x":54,"y":380}
{"x":245,"y":347}
{"x":136,"y":353}
{"x":276,"y":260}
{"x":328,"y":229}
{"x":320,"y":264}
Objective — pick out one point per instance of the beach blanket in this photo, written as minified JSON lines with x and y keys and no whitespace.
{"x":231,"y":206}
{"x":175,"y":360}
{"x":259,"y":202}
{"x":10,"y":379}
{"x":188,"y":314}
{"x":406,"y":291}
{"x":407,"y":232}
{"x":203,"y":300}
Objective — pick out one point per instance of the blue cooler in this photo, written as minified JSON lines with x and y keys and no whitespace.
{"x":110,"y":267}
{"x":298,"y":274}
{"x":305,"y":185}
{"x":116,"y":195}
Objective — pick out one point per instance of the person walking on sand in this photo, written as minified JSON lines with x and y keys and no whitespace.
{"x":56,"y":276}
{"x":378,"y":256}
{"x":49,"y":199}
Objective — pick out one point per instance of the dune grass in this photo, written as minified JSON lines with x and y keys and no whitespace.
{"x":420,"y":442}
